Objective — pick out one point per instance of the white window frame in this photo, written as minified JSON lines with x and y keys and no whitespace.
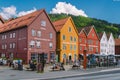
{"x":10,"y":45}
{"x":38,"y":44}
{"x":13,"y":45}
{"x":32,"y":44}
{"x":50,"y":45}
{"x":39,"y":33}
{"x":10,"y":35}
{"x":33,"y":32}
{"x":51,"y":35}
{"x":43,"y":23}
{"x":14,"y":35}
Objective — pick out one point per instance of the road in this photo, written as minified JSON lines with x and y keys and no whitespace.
{"x":112,"y":76}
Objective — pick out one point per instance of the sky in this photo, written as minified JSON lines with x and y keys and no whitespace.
{"x":108,"y":10}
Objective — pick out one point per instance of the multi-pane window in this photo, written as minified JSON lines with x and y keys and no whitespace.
{"x":2,"y":36}
{"x":5,"y":36}
{"x":5,"y":46}
{"x":51,"y":35}
{"x":70,"y":46}
{"x":13,"y":35}
{"x":33,"y":32}
{"x":43,"y":23}
{"x":74,"y":47}
{"x":32,"y":44}
{"x":71,"y":39}
{"x":64,"y":47}
{"x":10,"y":35}
{"x":52,"y":56}
{"x":39,"y":33}
{"x":50,"y":45}
{"x":96,"y":49}
{"x":80,"y":40}
{"x":13,"y":45}
{"x":69,"y":29}
{"x":2,"y":46}
{"x":63,"y":37}
{"x":38,"y":44}
{"x":10,"y":45}
{"x":80,"y":47}
{"x":74,"y":39}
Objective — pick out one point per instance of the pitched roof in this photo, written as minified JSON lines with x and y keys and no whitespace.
{"x":100,"y":35}
{"x":59,"y":24}
{"x":117,"y":42}
{"x":87,"y":29}
{"x":108,"y":36}
{"x":20,"y":22}
{"x":80,"y":30}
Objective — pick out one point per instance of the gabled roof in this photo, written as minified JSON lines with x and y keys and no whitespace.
{"x":81,"y":30}
{"x":108,"y":36}
{"x":59,"y":23}
{"x":117,"y":42}
{"x":89,"y":28}
{"x":100,"y":35}
{"x":25,"y":20}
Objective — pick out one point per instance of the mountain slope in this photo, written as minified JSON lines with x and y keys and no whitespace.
{"x":100,"y":25}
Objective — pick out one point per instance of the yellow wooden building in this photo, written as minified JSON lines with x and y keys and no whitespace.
{"x":67,"y":40}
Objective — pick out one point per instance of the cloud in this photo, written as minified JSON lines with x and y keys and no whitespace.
{"x":26,"y":12}
{"x":9,"y":12}
{"x":67,"y":8}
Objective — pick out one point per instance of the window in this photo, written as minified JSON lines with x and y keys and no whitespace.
{"x":74,"y":39}
{"x":2,"y":36}
{"x":64,"y":47}
{"x":33,"y":32}
{"x":32,"y":44}
{"x":80,"y":47}
{"x":13,"y":45}
{"x":2,"y":46}
{"x":39,"y":33}
{"x":74,"y":47}
{"x":10,"y":45}
{"x":38,"y":44}
{"x":13,"y":35}
{"x":71,"y":38}
{"x":34,"y":56}
{"x":71,"y":47}
{"x":80,"y":40}
{"x":5,"y":46}
{"x":96,"y":49}
{"x":96,"y":42}
{"x":50,"y":45}
{"x":45,"y":56}
{"x":69,"y":29}
{"x":5,"y":36}
{"x":92,"y":35}
{"x":52,"y":56}
{"x":43,"y":23}
{"x":63,"y":37}
{"x":51,"y":35}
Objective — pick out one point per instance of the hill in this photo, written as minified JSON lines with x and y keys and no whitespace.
{"x":100,"y":25}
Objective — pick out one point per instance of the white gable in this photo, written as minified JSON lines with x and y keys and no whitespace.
{"x":103,"y":44}
{"x":111,"y":45}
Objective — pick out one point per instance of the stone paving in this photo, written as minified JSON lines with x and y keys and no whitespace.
{"x":7,"y":73}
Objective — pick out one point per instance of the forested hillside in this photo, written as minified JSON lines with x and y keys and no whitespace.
{"x":100,"y":25}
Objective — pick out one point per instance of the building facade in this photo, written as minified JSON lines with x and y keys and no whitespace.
{"x":103,"y":43}
{"x":111,"y":44}
{"x":93,"y":42}
{"x":67,"y":40}
{"x":117,"y":46}
{"x":27,"y":36}
{"x":82,"y":41}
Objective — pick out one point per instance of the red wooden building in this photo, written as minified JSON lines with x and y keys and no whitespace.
{"x":117,"y":46}
{"x":27,"y":36}
{"x":89,"y":40}
{"x":82,"y":41}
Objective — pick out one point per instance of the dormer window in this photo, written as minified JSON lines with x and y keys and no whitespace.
{"x":43,"y":23}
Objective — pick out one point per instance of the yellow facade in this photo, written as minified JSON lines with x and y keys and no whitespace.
{"x":68,"y":41}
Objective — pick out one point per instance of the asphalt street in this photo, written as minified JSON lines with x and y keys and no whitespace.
{"x":112,"y":76}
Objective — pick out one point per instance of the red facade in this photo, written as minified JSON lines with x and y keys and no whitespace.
{"x":117,"y":46}
{"x":28,"y":36}
{"x":89,"y":40}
